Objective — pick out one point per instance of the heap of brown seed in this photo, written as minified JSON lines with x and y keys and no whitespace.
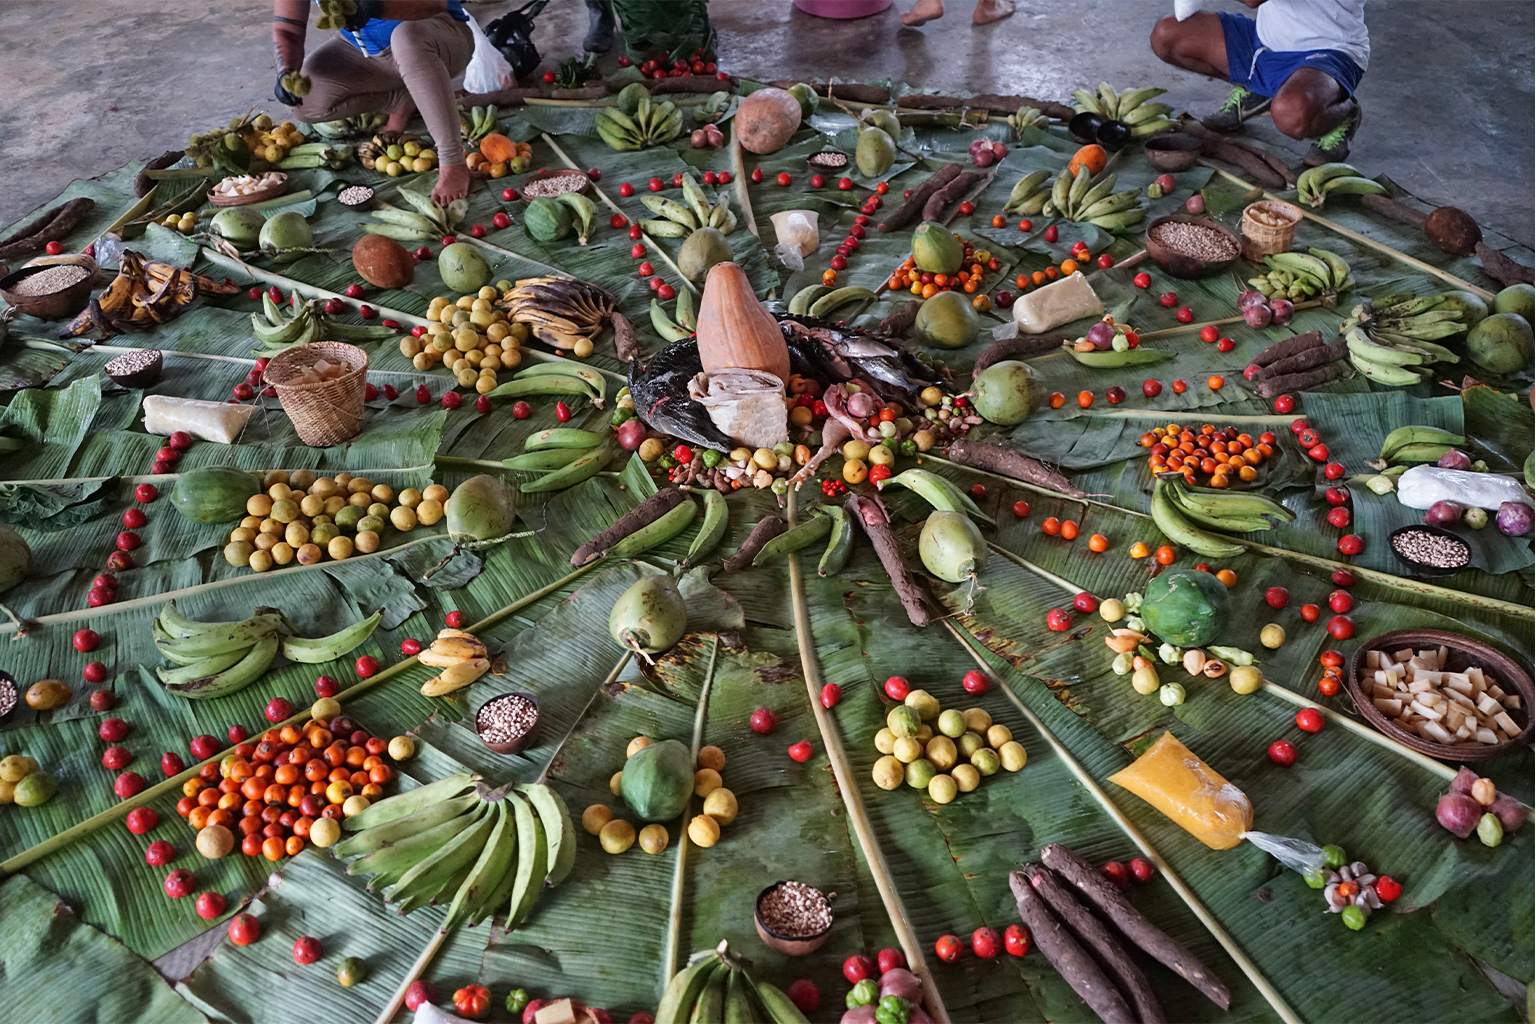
{"x":506,"y":719}
{"x":795,"y":910}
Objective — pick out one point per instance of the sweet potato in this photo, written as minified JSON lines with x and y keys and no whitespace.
{"x":912,"y":206}
{"x":768,"y":528}
{"x":51,"y":226}
{"x":1021,"y":347}
{"x":1302,"y":361}
{"x":949,"y":195}
{"x":1272,"y":386}
{"x":1006,"y":462}
{"x":1075,"y":966}
{"x":1290,"y":346}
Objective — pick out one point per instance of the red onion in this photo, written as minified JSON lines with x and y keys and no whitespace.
{"x":1513,"y":519}
{"x":1454,"y":459}
{"x":862,"y":404}
{"x":1249,"y":297}
{"x":1459,"y":813}
{"x":1282,"y":310}
{"x":1195,"y":203}
{"x":1510,"y":812}
{"x":977,"y":144}
{"x":699,"y":138}
{"x":1258,"y":315}
{"x":1462,"y":783}
{"x":630,"y":433}
{"x":982,"y":157}
{"x":1102,"y":334}
{"x":1442,"y":512}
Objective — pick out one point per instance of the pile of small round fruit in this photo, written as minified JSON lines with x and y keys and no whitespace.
{"x":617,"y":835}
{"x":948,"y":756}
{"x":408,"y":157}
{"x":305,"y":518}
{"x":469,"y":336}
{"x":23,"y":784}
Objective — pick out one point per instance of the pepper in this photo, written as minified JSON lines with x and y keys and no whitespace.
{"x":908,"y":448}
{"x":472,"y":1001}
{"x":517,"y":999}
{"x":711,"y":458}
{"x":862,"y":994}
{"x":892,"y":1010}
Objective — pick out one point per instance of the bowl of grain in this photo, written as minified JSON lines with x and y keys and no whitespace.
{"x":793,"y":918}
{"x":506,"y":722}
{"x":50,"y":292}
{"x":1442,"y":694}
{"x":548,"y":184}
{"x":1187,"y":245}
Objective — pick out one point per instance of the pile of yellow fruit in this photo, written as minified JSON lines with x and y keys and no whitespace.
{"x":469,"y":336}
{"x":271,"y":142}
{"x":483,"y":166}
{"x":305,"y":518}
{"x":408,"y":157}
{"x":616,"y":835}
{"x":186,"y":223}
{"x":943,"y":752}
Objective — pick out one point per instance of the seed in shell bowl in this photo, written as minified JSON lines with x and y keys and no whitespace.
{"x":1189,"y":245}
{"x":506,"y":722}
{"x":793,"y":918}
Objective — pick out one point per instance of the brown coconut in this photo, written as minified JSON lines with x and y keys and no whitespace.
{"x":766,"y":119}
{"x":383,"y":262}
{"x":1453,"y":231}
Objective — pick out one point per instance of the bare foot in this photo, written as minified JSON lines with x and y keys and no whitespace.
{"x":988,"y":11}
{"x":398,"y":119}
{"x":452,"y":183}
{"x":923,"y":12}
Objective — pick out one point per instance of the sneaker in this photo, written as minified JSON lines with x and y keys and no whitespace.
{"x":1241,"y":105}
{"x":1333,"y":147}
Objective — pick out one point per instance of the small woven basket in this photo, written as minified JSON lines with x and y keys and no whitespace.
{"x":331,"y":411}
{"x":1259,"y":239}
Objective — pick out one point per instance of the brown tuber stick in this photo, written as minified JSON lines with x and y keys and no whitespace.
{"x":1300,"y":362}
{"x":1132,"y":924}
{"x":1075,"y":966}
{"x":1257,"y":164}
{"x":986,"y":101}
{"x":1394,"y":210}
{"x":1501,"y":268}
{"x":1021,"y":347}
{"x":901,"y":321}
{"x":624,"y":344}
{"x":1299,"y":381}
{"x":767,"y":529}
{"x":1006,"y":462}
{"x":1104,"y":947}
{"x":51,"y":226}
{"x":643,"y":514}
{"x":912,"y":206}
{"x":936,"y":204}
{"x":1294,"y":345}
{"x":870,"y":515}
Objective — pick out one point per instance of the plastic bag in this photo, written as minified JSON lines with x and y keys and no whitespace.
{"x":488,"y":70}
{"x":512,"y":34}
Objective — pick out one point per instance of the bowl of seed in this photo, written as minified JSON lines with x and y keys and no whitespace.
{"x":793,"y":918}
{"x":1187,"y":245}
{"x":505,"y":723}
{"x":356,"y":197}
{"x":49,"y":292}
{"x":139,"y":368}
{"x":548,"y":184}
{"x":1430,"y":550}
{"x":828,"y":160}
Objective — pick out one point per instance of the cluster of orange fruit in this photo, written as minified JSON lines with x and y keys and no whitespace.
{"x":925,"y":284}
{"x":270,"y":792}
{"x":1219,"y":455}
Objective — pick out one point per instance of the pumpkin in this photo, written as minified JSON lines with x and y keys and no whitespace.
{"x":766,"y":119}
{"x":498,"y":148}
{"x":734,"y":330}
{"x":1092,"y":157}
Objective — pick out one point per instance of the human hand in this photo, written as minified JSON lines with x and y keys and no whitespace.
{"x":281,"y":93}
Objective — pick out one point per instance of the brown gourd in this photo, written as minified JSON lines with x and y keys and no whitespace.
{"x":766,"y":119}
{"x":383,"y":262}
{"x":734,"y":330}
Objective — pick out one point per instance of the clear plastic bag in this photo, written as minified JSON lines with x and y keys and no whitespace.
{"x":488,"y":70}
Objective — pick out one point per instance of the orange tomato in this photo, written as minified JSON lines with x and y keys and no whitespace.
{"x":1166,"y":555}
{"x":222,"y":816}
{"x":192,"y":786}
{"x":275,"y":794}
{"x":286,"y":775}
{"x":249,"y":826}
{"x":1227,"y":577}
{"x":373,"y":791}
{"x":930,"y":290}
{"x":1140,"y":549}
{"x":301,"y":827}
{"x":1022,"y":281}
{"x":1215,"y":382}
{"x":289,"y":734}
{"x":1057,"y":401}
{"x":316,"y":770}
{"x":1098,"y":542}
{"x":229,"y":801}
{"x":1068,"y":529}
{"x":272,"y":848}
{"x":1051,"y":527}
{"x":999,"y":221}
{"x":829,"y":277}
{"x":1051,"y":273}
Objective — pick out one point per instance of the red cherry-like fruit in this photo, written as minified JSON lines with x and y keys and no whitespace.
{"x":145,"y":493}
{"x":890,"y":959}
{"x":1343,"y":578}
{"x":948,"y":948}
{"x":986,"y":943}
{"x":521,"y":410}
{"x":278,"y":709}
{"x":238,"y":734}
{"x":178,"y":883}
{"x":203,"y":747}
{"x":1282,"y":752}
{"x":857,"y":968}
{"x":159,"y":853}
{"x":801,"y":751}
{"x":975,"y":683}
{"x":1310,"y":613}
{"x":128,"y":784}
{"x":1341,"y":627}
{"x":244,"y":930}
{"x":95,"y":672}
{"x":1309,"y":720}
{"x":1340,"y":601}
{"x":141,"y":820}
{"x":804,"y":994}
{"x":1016,"y":940}
{"x":171,"y":764}
{"x":103,"y":700}
{"x":116,"y":758}
{"x":210,"y":905}
{"x":325,"y":686}
{"x":452,"y":400}
{"x":1085,"y":603}
{"x":366,"y":666}
{"x":420,"y":992}
{"x":897,"y":688}
{"x":1351,"y":544}
{"x":1388,"y":888}
{"x":764,"y":721}
{"x":1334,"y":471}
{"x":86,"y":640}
{"x":1141,"y":869}
{"x":830,"y":695}
{"x":1117,"y":873}
{"x":306,"y":950}
{"x":113,"y":730}
{"x":1058,"y":621}
{"x":423,"y":394}
{"x":1277,"y":597}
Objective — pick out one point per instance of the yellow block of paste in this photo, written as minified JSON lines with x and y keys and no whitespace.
{"x":1172,"y":779}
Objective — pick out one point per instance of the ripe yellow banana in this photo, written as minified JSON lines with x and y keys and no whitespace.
{"x":455,"y":677}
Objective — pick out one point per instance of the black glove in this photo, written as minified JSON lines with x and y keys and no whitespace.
{"x":366,"y":11}
{"x":282,"y":95}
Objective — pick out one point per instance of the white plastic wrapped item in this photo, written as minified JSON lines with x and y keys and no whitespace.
{"x":747,"y":405}
{"x":488,"y":70}
{"x":1060,"y":302}
{"x":207,"y":421}
{"x":798,"y":234}
{"x":1422,"y":486}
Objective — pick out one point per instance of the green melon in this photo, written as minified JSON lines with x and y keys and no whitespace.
{"x":213,"y":494}
{"x":1186,"y":607}
{"x":658,"y":781}
{"x":462,"y":268}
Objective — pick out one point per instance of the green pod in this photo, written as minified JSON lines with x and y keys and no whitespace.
{"x":712,"y":530}
{"x":673,"y":522}
{"x":839,"y":542}
{"x":804,"y":535}
{"x":545,"y":460}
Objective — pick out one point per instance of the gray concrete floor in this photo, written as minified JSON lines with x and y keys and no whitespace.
{"x":93,"y":84}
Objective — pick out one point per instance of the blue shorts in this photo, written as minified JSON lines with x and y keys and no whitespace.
{"x":1264,"y":71}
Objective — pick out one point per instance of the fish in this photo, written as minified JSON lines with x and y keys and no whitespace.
{"x":841,"y":354}
{"x":659,"y":388}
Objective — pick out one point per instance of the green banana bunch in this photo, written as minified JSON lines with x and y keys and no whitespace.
{"x":560,"y":378}
{"x":214,"y":659}
{"x":800,"y":303}
{"x":1227,"y":511}
{"x":429,"y":220}
{"x":317,"y":650}
{"x":715,"y":988}
{"x":1302,"y":275}
{"x":584,"y":214}
{"x":1177,"y":526}
{"x":664,"y":325}
{"x":1029,"y":192}
{"x":1415,"y":443}
{"x":717,"y":518}
{"x":1394,"y":343}
{"x":1079,"y":197}
{"x":1134,"y":107}
{"x":645,"y":123}
{"x":672,"y":210}
{"x":563,"y":456}
{"x":309,"y":323}
{"x":938,"y":491}
{"x":476,"y":123}
{"x":316,"y":154}
{"x":1027,"y":117}
{"x":479,"y":850}
{"x":1315,"y":184}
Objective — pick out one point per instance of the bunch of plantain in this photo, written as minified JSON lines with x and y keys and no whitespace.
{"x":145,"y":294}
{"x":215,"y":659}
{"x":1027,"y":117}
{"x":475,"y":123}
{"x":1304,"y":275}
{"x":350,"y":127}
{"x":562,"y":378}
{"x":1415,"y":444}
{"x":315,"y":154}
{"x":308,"y":323}
{"x":483,"y":852}
{"x":636,"y":121}
{"x":562,"y":457}
{"x":1133,"y":107}
{"x":1188,"y":515}
{"x":1394,"y":341}
{"x":679,"y":220}
{"x":1082,"y":198}
{"x":334,"y":13}
{"x":428,"y":222}
{"x":561,"y":311}
{"x":462,"y":658}
{"x":715,"y":987}
{"x":1315,"y":184}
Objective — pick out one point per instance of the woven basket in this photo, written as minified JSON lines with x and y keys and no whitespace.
{"x":331,"y":411}
{"x":1259,"y":239}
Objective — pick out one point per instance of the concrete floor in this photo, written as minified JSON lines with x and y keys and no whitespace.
{"x":1448,"y":100}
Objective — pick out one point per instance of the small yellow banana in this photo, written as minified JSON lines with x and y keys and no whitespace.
{"x":452,"y":651}
{"x":455,"y":677}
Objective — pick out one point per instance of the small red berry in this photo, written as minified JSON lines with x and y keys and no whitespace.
{"x":800,"y":751}
{"x":1016,"y":940}
{"x":483,"y":404}
{"x":1151,"y":388}
{"x":1115,"y":395}
{"x":203,"y":747}
{"x":1309,"y":720}
{"x":986,"y":943}
{"x":1339,"y":517}
{"x":783,"y":178}
{"x":171,"y":764}
{"x":306,"y":950}
{"x":210,"y":905}
{"x":1058,"y":621}
{"x":95,"y":672}
{"x":1277,"y":597}
{"x":1209,"y":334}
{"x":1341,"y":627}
{"x":1388,"y":888}
{"x":501,"y":220}
{"x":1141,"y":869}
{"x":1351,"y":544}
{"x":1282,"y":752}
{"x":366,"y":666}
{"x":141,"y":820}
{"x":423,"y":394}
{"x":178,"y":883}
{"x":563,"y":412}
{"x":757,"y":174}
{"x":159,"y":853}
{"x":1021,"y":509}
{"x":656,"y":185}
{"x":1142,"y":280}
{"x":948,"y":948}
{"x":859,"y":967}
{"x":1105,"y":261}
{"x":975,"y":683}
{"x":112,"y":730}
{"x":1168,"y":300}
{"x":454,"y":619}
{"x":1343,"y":578}
{"x":897,"y":688}
{"x":145,"y":493}
{"x":116,"y":758}
{"x":128,"y":784}
{"x":86,"y":640}
{"x":103,"y":700}
{"x":325,"y":686}
{"x":764,"y":721}
{"x":1226,"y":345}
{"x":1086,"y":603}
{"x":279,"y":709}
{"x":1117,"y":873}
{"x":666,"y":291}
{"x":1051,"y":234}
{"x":1184,"y":315}
{"x":367,"y":312}
{"x":521,"y":410}
{"x":1310,"y":613}
{"x":1179,"y":387}
{"x":830,"y":695}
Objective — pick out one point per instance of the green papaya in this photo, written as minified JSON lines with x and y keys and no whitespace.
{"x":546,"y":220}
{"x":657,"y":781}
{"x":1186,"y":607}
{"x":213,"y":494}
{"x":935,"y":249}
{"x":875,"y":153}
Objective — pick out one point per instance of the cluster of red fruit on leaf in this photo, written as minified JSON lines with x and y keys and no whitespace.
{"x":104,"y":587}
{"x":1340,"y":602}
{"x":1283,"y":752}
{"x":1337,"y":496}
{"x":663,"y":66}
{"x":985,"y":943}
{"x":973,"y":269}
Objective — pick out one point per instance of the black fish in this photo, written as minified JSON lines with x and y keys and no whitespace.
{"x":660,"y":391}
{"x":839,"y":354}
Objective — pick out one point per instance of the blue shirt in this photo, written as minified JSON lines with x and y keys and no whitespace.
{"x":373,"y":37}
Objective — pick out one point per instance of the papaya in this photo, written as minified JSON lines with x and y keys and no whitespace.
{"x":875,"y":153}
{"x":935,"y":249}
{"x":546,"y":220}
{"x":213,"y":494}
{"x":462,"y":268}
{"x":1186,"y":607}
{"x":657,"y":781}
{"x":948,"y":320}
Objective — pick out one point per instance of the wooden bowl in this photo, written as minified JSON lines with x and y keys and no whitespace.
{"x":513,"y":746}
{"x":1175,"y":152}
{"x":786,"y":944}
{"x":260,"y":195}
{"x":583,"y":182}
{"x":59,"y":305}
{"x":1462,"y":652}
{"x":1180,"y":264}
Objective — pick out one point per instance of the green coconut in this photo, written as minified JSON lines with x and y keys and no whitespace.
{"x":1501,"y":343}
{"x":1004,"y":392}
{"x":1519,"y":299}
{"x":15,"y":558}
{"x":649,"y":617}
{"x":283,"y":233}
{"x":240,"y":225}
{"x":479,"y":509}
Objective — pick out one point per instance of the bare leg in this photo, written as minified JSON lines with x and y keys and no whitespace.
{"x":1310,"y":104}
{"x":923,"y":12}
{"x":344,"y":83}
{"x":1195,"y":44}
{"x":428,"y":53}
{"x":988,"y":11}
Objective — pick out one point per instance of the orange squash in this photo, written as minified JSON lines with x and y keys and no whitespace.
{"x":1092,"y":157}
{"x":498,"y":148}
{"x":734,"y":330}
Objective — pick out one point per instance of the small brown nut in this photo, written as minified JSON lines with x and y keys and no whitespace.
{"x":1194,"y":661}
{"x":1214,"y":668}
{"x":1484,"y":792}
